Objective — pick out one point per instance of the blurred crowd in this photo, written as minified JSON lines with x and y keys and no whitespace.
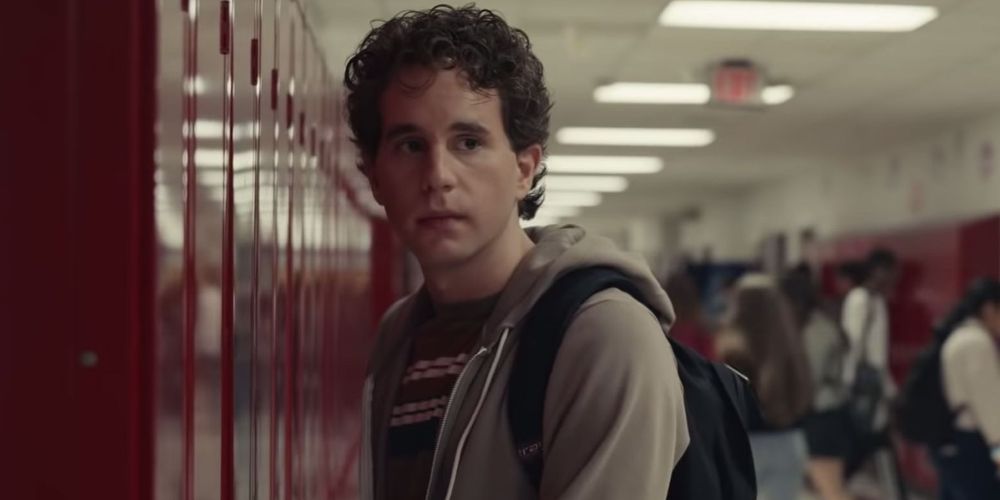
{"x":819,"y":364}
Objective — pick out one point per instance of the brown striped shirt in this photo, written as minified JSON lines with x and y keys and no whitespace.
{"x":440,"y":349}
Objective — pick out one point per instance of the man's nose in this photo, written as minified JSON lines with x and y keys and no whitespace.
{"x":440,"y":170}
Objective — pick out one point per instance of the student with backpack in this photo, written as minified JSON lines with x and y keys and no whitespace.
{"x":951,"y":399}
{"x":530,"y":364}
{"x":827,"y":429}
{"x":865,"y":319}
{"x":760,"y":340}
{"x":871,"y":388}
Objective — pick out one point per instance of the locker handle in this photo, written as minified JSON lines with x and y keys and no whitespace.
{"x":254,"y":61}
{"x":224,"y":27}
{"x":274,"y":89}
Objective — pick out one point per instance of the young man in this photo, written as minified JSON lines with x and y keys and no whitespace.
{"x":865,"y":320}
{"x":450,"y":112}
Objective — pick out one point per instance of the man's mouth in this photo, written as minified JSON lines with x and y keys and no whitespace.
{"x":439,"y":219}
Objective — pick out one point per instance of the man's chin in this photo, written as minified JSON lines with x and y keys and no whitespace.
{"x":440,"y":253}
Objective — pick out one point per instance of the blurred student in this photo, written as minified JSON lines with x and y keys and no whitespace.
{"x":689,"y":328}
{"x":865,"y":320}
{"x":760,"y":340}
{"x":970,"y":367}
{"x":826,"y":427}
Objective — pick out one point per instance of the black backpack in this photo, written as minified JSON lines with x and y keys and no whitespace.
{"x":922,"y":413}
{"x":720,"y":406}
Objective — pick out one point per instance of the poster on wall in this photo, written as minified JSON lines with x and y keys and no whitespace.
{"x":987,"y":161}
{"x":894,"y":173}
{"x":939,"y":161}
{"x":916,"y":197}
{"x":959,"y":151}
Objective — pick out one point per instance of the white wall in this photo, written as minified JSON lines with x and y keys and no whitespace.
{"x":649,"y":236}
{"x":719,"y":228}
{"x":950,"y":176}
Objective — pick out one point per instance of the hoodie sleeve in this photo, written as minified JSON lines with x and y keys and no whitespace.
{"x":614,"y":422}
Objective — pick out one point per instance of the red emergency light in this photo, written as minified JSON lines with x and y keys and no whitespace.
{"x":736,"y":82}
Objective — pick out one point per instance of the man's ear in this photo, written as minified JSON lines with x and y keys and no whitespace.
{"x":529,"y":160}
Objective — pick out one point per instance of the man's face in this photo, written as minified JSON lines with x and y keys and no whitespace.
{"x":885,"y":279}
{"x":444,"y":170}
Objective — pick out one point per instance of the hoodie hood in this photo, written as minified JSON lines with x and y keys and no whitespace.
{"x":559,"y":250}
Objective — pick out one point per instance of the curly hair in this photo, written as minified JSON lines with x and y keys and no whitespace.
{"x":491,"y":54}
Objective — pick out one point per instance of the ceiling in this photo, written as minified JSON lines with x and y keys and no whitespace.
{"x":856,"y":93}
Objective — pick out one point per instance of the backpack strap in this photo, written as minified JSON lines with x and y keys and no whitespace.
{"x":869,"y":320}
{"x":541,"y":335}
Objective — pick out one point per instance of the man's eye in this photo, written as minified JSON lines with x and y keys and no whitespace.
{"x":410,"y":146}
{"x":468,"y":143}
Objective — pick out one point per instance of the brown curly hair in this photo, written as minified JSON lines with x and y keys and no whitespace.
{"x":491,"y":54}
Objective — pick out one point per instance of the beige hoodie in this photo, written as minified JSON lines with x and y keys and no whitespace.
{"x":614,"y":424}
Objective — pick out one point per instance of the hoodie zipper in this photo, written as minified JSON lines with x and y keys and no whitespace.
{"x":475,"y":414}
{"x":444,"y":418}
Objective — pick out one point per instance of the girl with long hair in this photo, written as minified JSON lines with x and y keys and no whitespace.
{"x":761,"y":341}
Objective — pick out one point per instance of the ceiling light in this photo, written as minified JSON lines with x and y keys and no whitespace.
{"x":653,"y":93}
{"x":610,"y":136}
{"x":170,"y":228}
{"x":604,"y":164}
{"x":777,"y":94}
{"x":215,"y":129}
{"x":572,"y":199}
{"x":216,"y":158}
{"x":677,"y":93}
{"x":796,"y":16}
{"x":598,"y":183}
{"x":194,"y":85}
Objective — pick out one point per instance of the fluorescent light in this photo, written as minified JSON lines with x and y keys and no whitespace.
{"x":598,"y":183}
{"x":556,"y":211}
{"x":676,"y":93}
{"x":210,"y":158}
{"x":572,"y":199}
{"x":194,"y":85}
{"x":609,"y":136}
{"x":214,"y":129}
{"x":170,"y":228}
{"x":796,"y":16}
{"x":215,"y":158}
{"x":604,"y":164}
{"x":777,"y":94}
{"x":653,"y":93}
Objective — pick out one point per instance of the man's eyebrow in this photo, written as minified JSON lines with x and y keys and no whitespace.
{"x":409,"y":128}
{"x":471,"y":127}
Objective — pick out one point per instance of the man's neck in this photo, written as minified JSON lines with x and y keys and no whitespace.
{"x":483,"y":275}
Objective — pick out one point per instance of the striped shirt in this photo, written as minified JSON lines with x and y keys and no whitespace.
{"x":440,"y":349}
